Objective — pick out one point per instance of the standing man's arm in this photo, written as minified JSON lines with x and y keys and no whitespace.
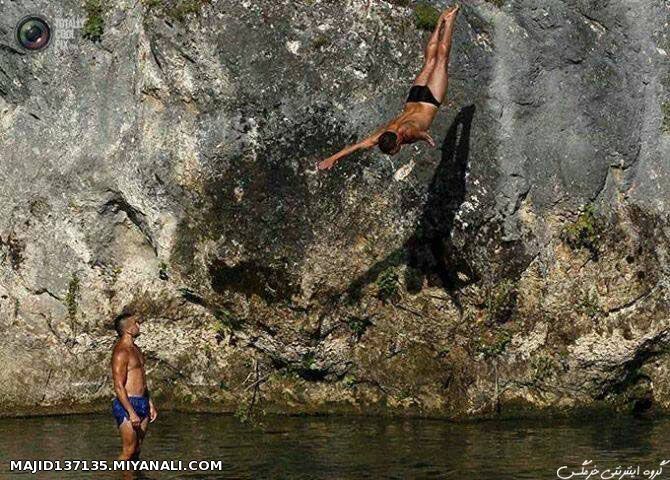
{"x":119,"y":374}
{"x":153,"y":413}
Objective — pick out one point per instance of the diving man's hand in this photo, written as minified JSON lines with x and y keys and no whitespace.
{"x":327,"y":164}
{"x":426,"y":137}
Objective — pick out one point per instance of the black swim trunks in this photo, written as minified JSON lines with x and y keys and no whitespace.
{"x":421,"y":93}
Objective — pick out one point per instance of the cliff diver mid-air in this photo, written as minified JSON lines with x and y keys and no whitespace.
{"x":423,"y":102}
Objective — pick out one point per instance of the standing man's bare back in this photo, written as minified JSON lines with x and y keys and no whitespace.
{"x":425,"y":98}
{"x":132,"y":408}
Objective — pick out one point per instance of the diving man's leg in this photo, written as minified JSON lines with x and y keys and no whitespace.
{"x":430,"y":54}
{"x":439,"y":77}
{"x":431,"y":47}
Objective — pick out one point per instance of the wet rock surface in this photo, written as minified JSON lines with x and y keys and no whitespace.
{"x":519,"y":268}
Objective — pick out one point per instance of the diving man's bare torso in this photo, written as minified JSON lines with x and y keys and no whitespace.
{"x":414,"y":121}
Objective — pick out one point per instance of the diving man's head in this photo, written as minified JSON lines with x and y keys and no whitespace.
{"x":127,"y":322}
{"x":389,"y":142}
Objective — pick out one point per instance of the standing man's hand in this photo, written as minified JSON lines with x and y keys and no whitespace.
{"x":134,"y":420}
{"x":153,"y":413}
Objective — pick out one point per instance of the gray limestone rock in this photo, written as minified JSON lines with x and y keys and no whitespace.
{"x":521,"y":267}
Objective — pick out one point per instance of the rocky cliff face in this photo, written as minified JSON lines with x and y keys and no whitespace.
{"x":522,"y":266}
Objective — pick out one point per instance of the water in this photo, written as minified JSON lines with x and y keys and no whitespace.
{"x":343,"y":448}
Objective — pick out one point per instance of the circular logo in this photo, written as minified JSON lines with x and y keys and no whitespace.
{"x":33,"y":33}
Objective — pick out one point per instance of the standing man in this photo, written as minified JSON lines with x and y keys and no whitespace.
{"x":423,"y":102}
{"x":132,"y":408}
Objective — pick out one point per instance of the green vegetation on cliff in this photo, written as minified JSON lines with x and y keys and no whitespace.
{"x":358,"y":326}
{"x":72,"y":297}
{"x":320,"y":41}
{"x":584,"y":232}
{"x":665,"y":111}
{"x":387,"y":284}
{"x":94,"y":26}
{"x":426,"y":16}
{"x":494,"y":345}
{"x":177,"y":10}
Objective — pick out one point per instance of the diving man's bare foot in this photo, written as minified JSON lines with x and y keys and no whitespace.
{"x":450,"y":13}
{"x":449,"y":19}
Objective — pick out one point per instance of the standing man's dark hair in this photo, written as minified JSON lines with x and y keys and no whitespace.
{"x":120,"y":320}
{"x":387,"y":142}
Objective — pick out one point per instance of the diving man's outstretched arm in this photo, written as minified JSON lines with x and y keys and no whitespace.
{"x":369,"y":142}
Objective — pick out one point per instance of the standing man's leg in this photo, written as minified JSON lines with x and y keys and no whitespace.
{"x":439,"y":77}
{"x":141,"y":433}
{"x":128,"y":440}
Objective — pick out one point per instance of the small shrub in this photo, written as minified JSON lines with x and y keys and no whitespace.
{"x":94,"y":26}
{"x":308,"y":362}
{"x":163,"y":271}
{"x":387,"y":284}
{"x":176,"y":9}
{"x":543,"y":367}
{"x":665,"y":111}
{"x":115,"y":272}
{"x":426,"y":16}
{"x":349,"y":380}
{"x":72,"y":297}
{"x":589,"y":304}
{"x":496,"y":346}
{"x":226,"y":321}
{"x":584,"y":233}
{"x":358,"y":325}
{"x":244,"y":413}
{"x":320,"y":41}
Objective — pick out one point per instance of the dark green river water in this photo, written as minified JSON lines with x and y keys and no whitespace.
{"x":344,"y":448}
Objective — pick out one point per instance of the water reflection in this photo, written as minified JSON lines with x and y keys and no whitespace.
{"x":337,"y":448}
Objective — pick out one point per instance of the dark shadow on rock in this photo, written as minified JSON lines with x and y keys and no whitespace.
{"x":429,"y":252}
{"x":249,"y":277}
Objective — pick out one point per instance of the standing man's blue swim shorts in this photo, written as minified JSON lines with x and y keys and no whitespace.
{"x":140,"y":404}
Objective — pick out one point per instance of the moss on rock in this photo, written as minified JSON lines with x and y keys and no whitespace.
{"x":584,"y":232}
{"x":665,"y":112}
{"x":94,"y":26}
{"x":177,"y":10}
{"x":426,"y":16}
